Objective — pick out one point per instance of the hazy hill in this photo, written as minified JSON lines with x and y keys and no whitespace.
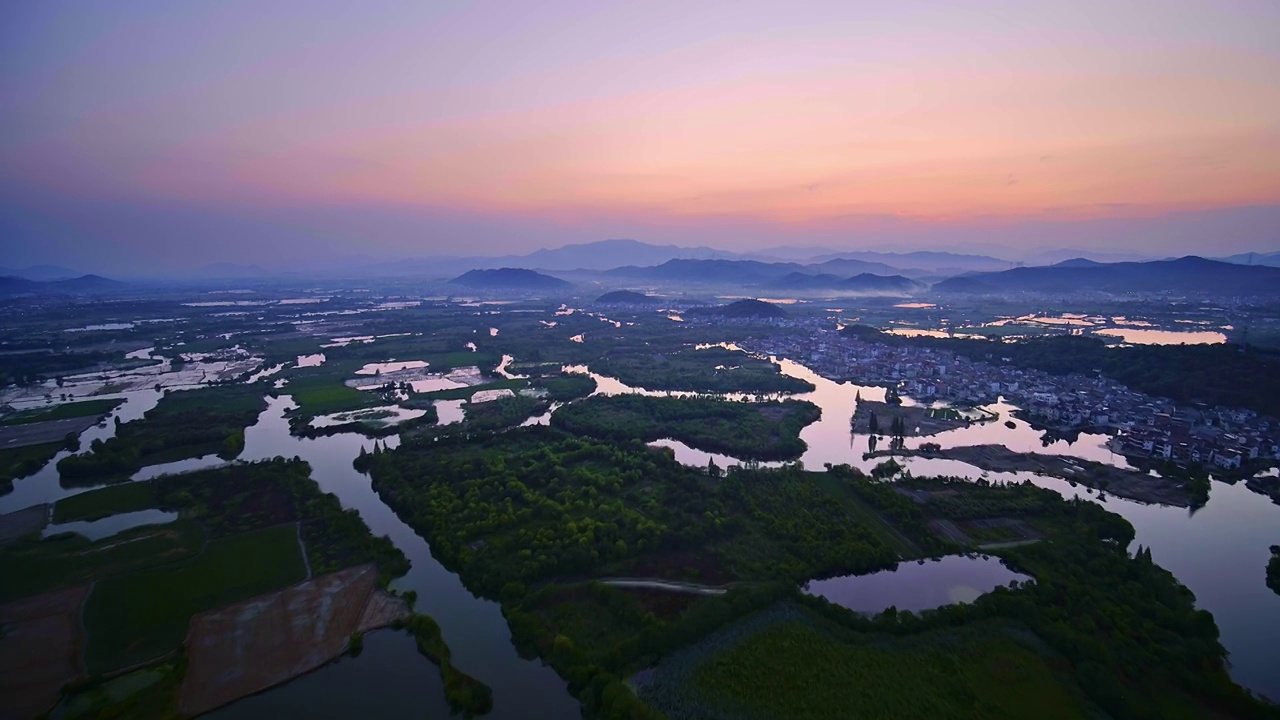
{"x":83,"y":285}
{"x":509,"y":279}
{"x":626,"y":296}
{"x":739,"y":272}
{"x":1270,"y":259}
{"x":742,"y":309}
{"x":1189,"y":274}
{"x":41,"y":273}
{"x":846,"y":266}
{"x":936,"y":262}
{"x":886,"y":284}
{"x":607,"y":254}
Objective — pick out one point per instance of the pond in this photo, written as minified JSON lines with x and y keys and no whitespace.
{"x":917,"y":586}
{"x":96,"y":530}
{"x":391,"y":367}
{"x":1143,"y":336}
{"x":389,"y":664}
{"x":1219,"y":551}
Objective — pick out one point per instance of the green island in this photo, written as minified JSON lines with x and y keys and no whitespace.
{"x":184,"y":424}
{"x":33,"y":437}
{"x":751,"y":430}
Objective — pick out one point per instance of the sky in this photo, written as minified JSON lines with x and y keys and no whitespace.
{"x":158,"y":135}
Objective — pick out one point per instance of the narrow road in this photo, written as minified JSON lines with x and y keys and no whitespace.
{"x":668,"y":585}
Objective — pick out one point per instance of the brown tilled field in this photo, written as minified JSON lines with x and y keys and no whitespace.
{"x":40,"y":651}
{"x":252,"y":645}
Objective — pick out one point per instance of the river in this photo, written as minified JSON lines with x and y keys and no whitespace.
{"x":1219,"y":551}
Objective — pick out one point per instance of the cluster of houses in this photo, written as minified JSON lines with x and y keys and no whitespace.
{"x":1145,"y":427}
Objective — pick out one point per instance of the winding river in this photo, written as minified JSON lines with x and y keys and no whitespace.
{"x":1219,"y":551}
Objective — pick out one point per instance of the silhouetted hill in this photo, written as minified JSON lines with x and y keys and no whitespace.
{"x":863,"y":283}
{"x":1190,"y":274}
{"x":509,"y":279}
{"x":626,"y":296}
{"x":844,"y":267}
{"x":738,"y":272}
{"x":40,"y":273}
{"x":938,"y":262}
{"x":83,"y":285}
{"x":868,"y":283}
{"x":606,"y":254}
{"x":1272,"y":259}
{"x":1078,"y":262}
{"x":742,"y":309}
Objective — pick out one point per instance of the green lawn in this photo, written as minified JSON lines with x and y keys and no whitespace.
{"x":142,"y":615}
{"x":31,"y":567}
{"x":797,"y":670}
{"x":325,"y":394}
{"x":104,"y":502}
{"x":867,"y":516}
{"x":62,"y":412}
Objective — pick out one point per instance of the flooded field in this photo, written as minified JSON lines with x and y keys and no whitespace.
{"x":1218,"y":551}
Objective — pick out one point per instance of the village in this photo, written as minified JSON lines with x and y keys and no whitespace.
{"x":1146,"y":428}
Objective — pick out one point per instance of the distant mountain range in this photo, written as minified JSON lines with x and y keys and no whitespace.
{"x":863,"y":283}
{"x":41,"y":273}
{"x":635,"y":259}
{"x":1189,"y":274}
{"x":1268,"y":259}
{"x":509,"y":279}
{"x":744,"y":272}
{"x":83,"y":285}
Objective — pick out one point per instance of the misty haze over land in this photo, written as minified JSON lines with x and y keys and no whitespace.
{"x":577,"y":360}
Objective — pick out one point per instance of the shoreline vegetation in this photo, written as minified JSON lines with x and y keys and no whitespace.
{"x":767,"y":430}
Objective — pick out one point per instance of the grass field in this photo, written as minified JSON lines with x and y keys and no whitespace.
{"x":325,"y":394}
{"x":32,"y":567}
{"x":790,"y":664}
{"x":867,"y":516}
{"x":792,"y":670}
{"x":105,"y":502}
{"x":142,"y":615}
{"x":62,"y":412}
{"x":24,"y":461}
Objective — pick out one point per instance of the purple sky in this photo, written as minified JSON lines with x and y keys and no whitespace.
{"x":142,"y":136}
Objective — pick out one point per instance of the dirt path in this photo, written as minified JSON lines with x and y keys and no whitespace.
{"x":17,"y":524}
{"x":40,"y":651}
{"x":249,"y":646}
{"x":668,"y":585}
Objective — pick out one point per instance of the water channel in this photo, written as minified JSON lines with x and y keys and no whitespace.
{"x":1219,"y":551}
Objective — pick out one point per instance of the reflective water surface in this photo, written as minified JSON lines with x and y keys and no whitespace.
{"x":917,"y":586}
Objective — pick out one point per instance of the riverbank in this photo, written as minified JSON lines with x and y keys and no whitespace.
{"x":1129,"y":484}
